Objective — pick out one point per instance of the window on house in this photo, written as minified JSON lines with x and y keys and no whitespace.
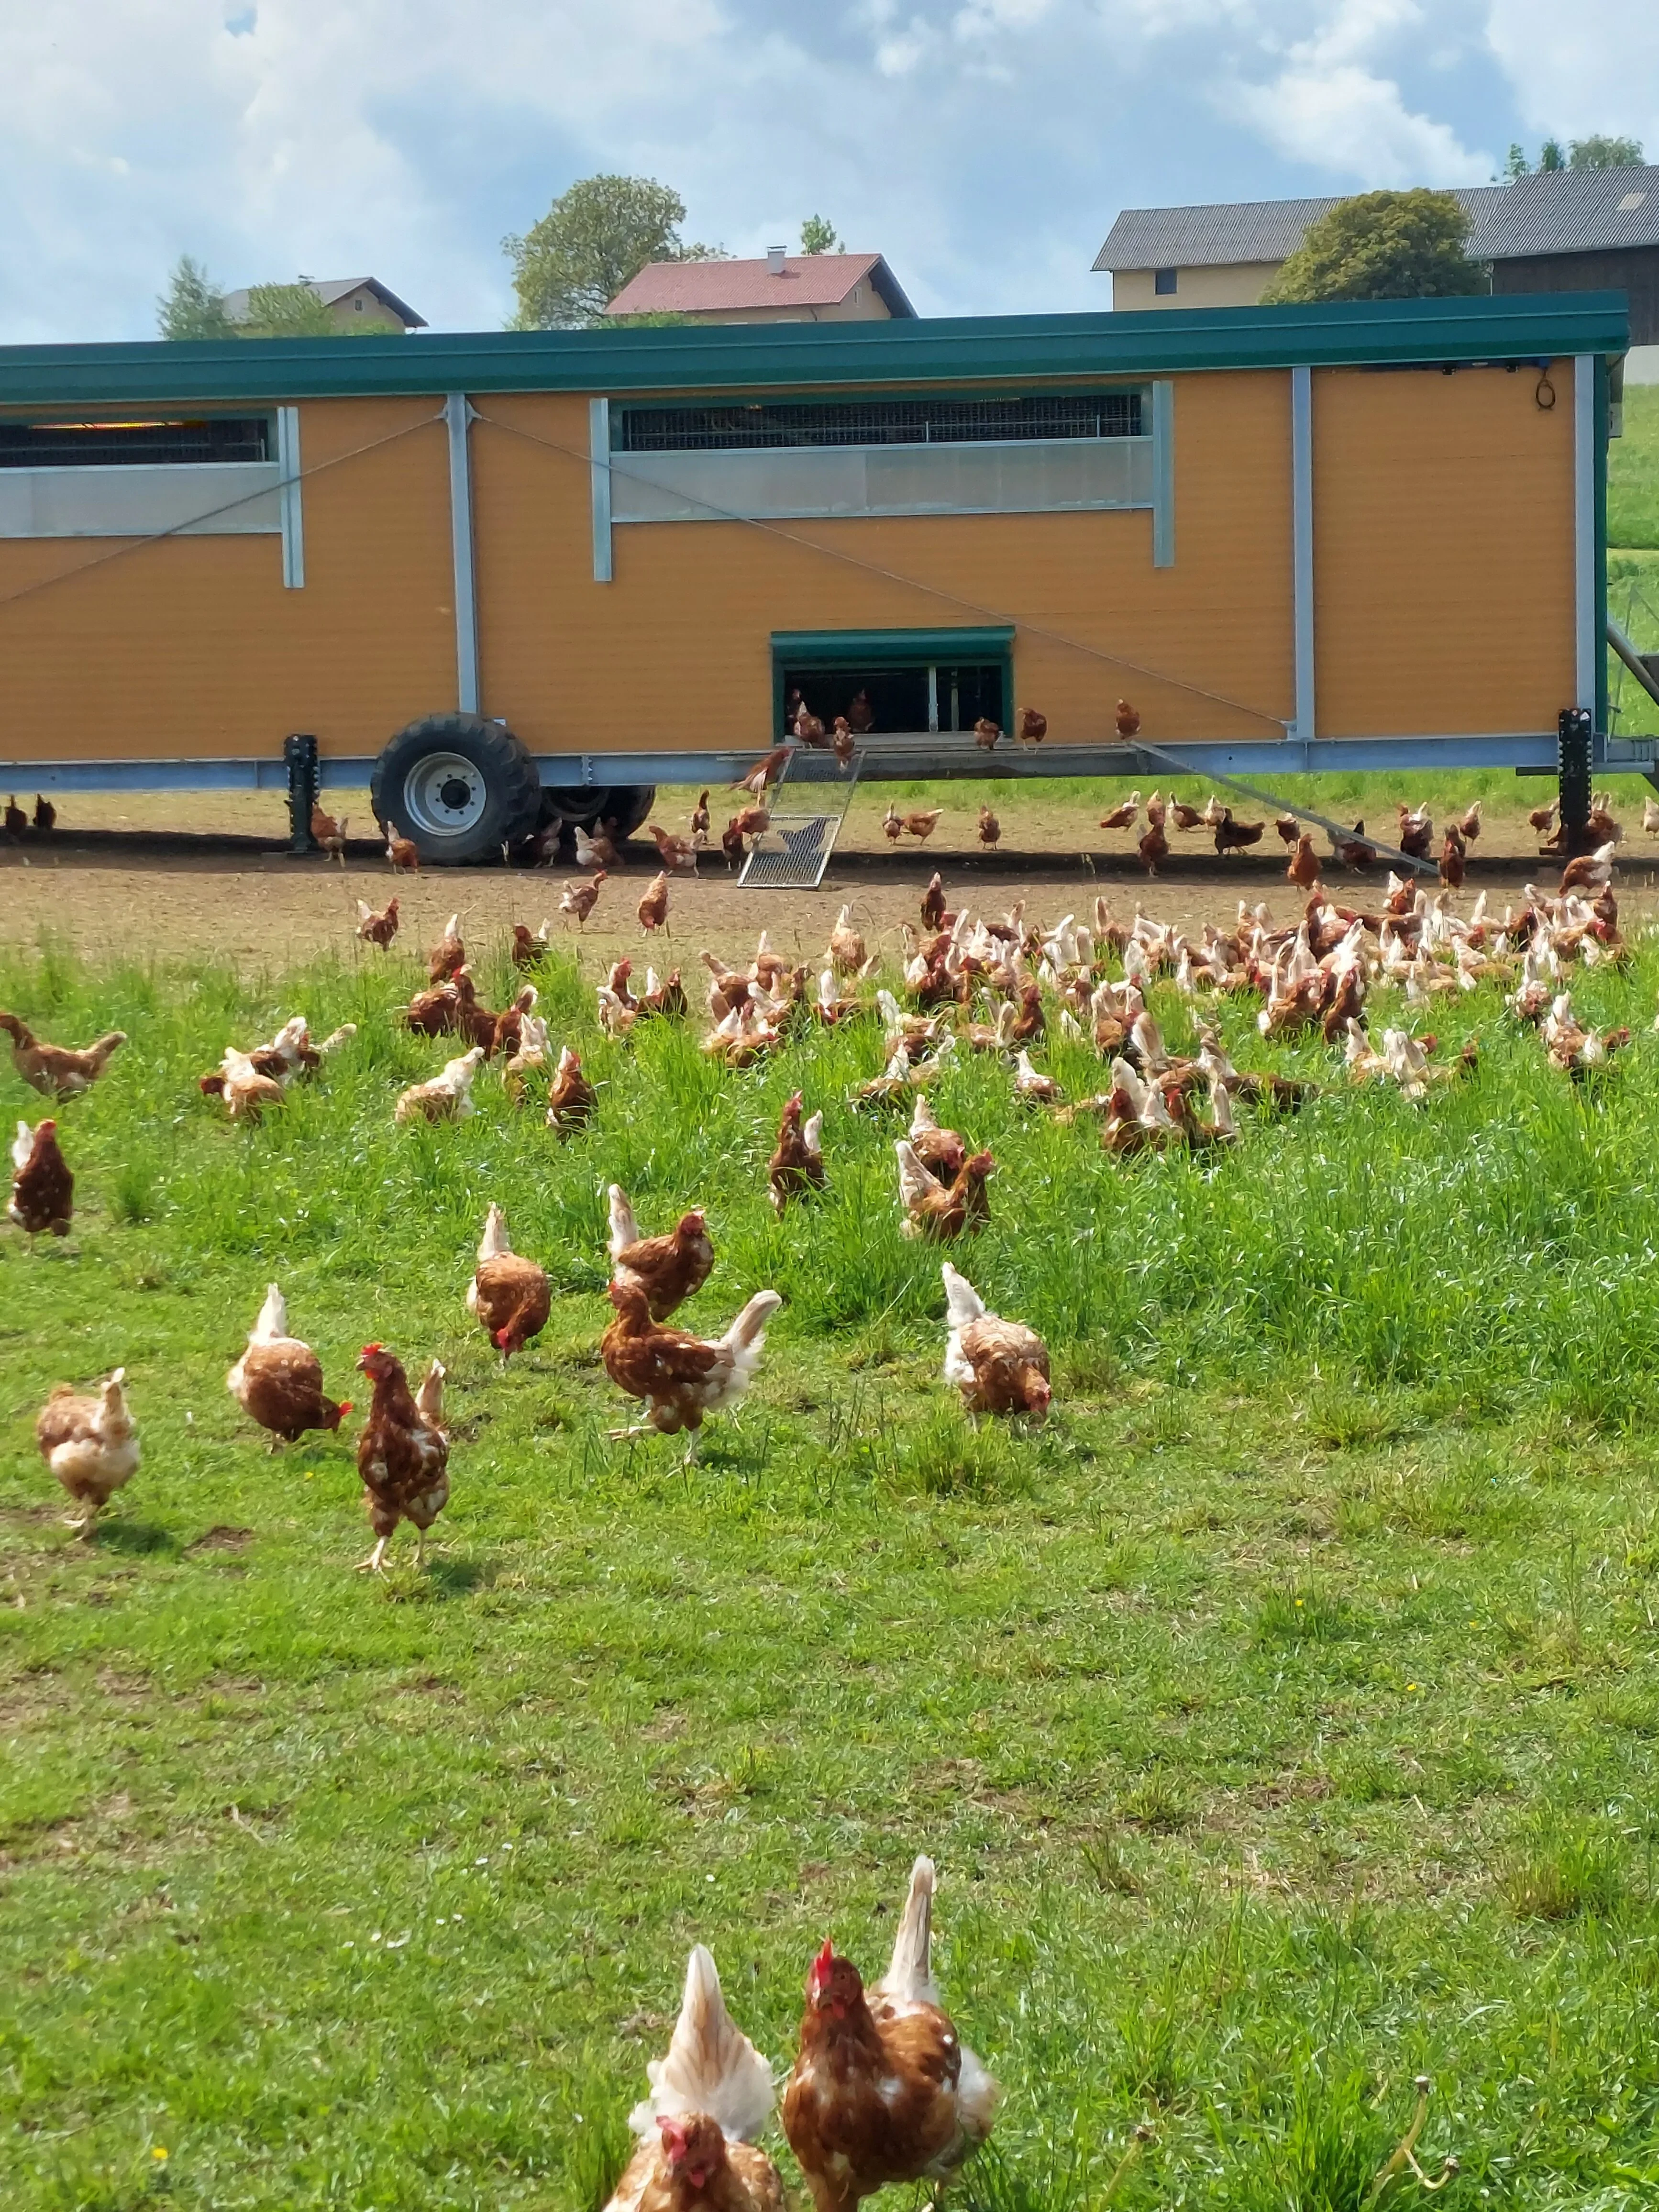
{"x":180,"y":440}
{"x":944,"y":420}
{"x":358,"y":303}
{"x":1164,"y":282}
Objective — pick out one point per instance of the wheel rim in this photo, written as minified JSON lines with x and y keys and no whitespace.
{"x":445,"y":795}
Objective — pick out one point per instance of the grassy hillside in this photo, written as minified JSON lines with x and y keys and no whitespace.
{"x":1284,"y":1717}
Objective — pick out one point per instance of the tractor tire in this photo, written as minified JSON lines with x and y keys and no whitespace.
{"x":626,"y":804}
{"x":460,"y":787}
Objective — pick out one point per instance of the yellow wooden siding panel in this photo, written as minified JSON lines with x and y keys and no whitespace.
{"x":675,"y":652}
{"x":190,"y":646}
{"x":1443,"y":552}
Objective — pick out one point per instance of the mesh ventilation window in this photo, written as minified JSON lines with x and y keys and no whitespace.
{"x":92,"y":443}
{"x":876,"y":422}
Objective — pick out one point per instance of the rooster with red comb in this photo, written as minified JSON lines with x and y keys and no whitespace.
{"x":710,"y":2097}
{"x":883,"y":2090}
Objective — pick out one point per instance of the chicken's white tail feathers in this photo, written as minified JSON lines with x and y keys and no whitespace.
{"x":748,"y":1332}
{"x":963,"y":1303}
{"x":273,"y":1318}
{"x":812,"y":1135}
{"x":914,"y":1181}
{"x":624,"y":1229}
{"x":22,"y":1146}
{"x":710,"y":2065}
{"x":429,"y":1397}
{"x":493,"y":1244}
{"x":922,"y":1121}
{"x":909,"y":1978}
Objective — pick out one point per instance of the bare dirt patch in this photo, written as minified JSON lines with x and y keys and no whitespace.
{"x":207,"y":876}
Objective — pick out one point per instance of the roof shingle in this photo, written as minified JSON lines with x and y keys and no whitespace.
{"x":809,"y":280}
{"x":1555,"y":211}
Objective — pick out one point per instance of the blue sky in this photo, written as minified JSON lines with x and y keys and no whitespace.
{"x":983,"y":145}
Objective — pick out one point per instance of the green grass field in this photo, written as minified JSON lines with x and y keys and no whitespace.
{"x":1633,"y":473}
{"x":1284,"y":1717}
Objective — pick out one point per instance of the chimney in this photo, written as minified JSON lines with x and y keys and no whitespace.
{"x":775,"y":260}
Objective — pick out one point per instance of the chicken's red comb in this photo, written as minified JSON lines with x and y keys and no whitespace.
{"x":821,"y":1964}
{"x":368,"y":1348}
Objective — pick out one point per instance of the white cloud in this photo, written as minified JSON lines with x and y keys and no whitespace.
{"x":1576,"y":70}
{"x":1329,"y":108}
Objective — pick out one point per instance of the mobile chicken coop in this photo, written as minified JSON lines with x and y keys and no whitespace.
{"x":492,"y":576}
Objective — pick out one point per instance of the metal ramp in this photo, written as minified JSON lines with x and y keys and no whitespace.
{"x":809,"y":803}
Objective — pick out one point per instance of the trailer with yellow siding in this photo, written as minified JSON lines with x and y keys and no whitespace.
{"x":497,"y":575}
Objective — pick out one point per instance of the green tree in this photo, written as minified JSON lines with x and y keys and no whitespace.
{"x":817,"y":235}
{"x":192,"y":306}
{"x":592,"y":241}
{"x":1516,"y":165}
{"x":1601,"y":152}
{"x":286,"y":311}
{"x":1382,"y":245}
{"x":1550,"y":155}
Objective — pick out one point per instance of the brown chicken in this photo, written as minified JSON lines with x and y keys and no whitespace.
{"x":401,"y":852}
{"x":861,"y":714}
{"x":1124,"y":816}
{"x":278,"y":1381}
{"x":763,"y":773}
{"x":678,"y":854}
{"x":711,"y":2095}
{"x":506,"y":1032}
{"x":1354,"y":852}
{"x":528,"y":946}
{"x":809,"y":728}
{"x":509,"y":1296}
{"x":1469,"y":828}
{"x":45,"y":816}
{"x":1453,"y":861}
{"x":1288,"y":828}
{"x":448,"y":956}
{"x":681,"y":1378}
{"x":328,"y":834}
{"x":932,"y":902}
{"x":667,"y":1269}
{"x":42,"y":1188}
{"x":1304,"y":867}
{"x":1033,"y":727}
{"x":752,"y":821}
{"x":1186,"y":817}
{"x":732,"y":843}
{"x":377,"y":929}
{"x":922,"y":824}
{"x":1154,"y":848}
{"x":844,"y":743}
{"x":1590,"y":871}
{"x":403,"y":1453}
{"x":91,"y":1445}
{"x":1128,"y":718}
{"x":1000,"y":1366}
{"x":571,"y":1098}
{"x":654,"y":906}
{"x":941,"y":1151}
{"x":847,"y":950}
{"x":596,"y":847}
{"x":1543,"y":819}
{"x":59,"y":1071}
{"x":1416,"y":832}
{"x":987,"y":735}
{"x":932,"y":1209}
{"x":1232,"y":836}
{"x":700,"y":820}
{"x":797,"y":1165}
{"x":883,"y":2090}
{"x":580,"y":899}
{"x":891,"y":828}
{"x":990,"y":830}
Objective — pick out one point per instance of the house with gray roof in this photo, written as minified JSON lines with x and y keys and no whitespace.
{"x":1560,"y":230}
{"x":355,"y":303}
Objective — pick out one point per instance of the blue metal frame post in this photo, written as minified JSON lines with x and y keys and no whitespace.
{"x":1301,"y":547}
{"x":458,"y":414}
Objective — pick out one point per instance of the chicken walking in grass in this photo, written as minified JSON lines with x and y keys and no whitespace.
{"x":846,"y":946}
{"x":448,"y":956}
{"x":796,"y":1167}
{"x":681,"y":1378}
{"x":91,"y":1445}
{"x":710,"y":2096}
{"x":58,"y":1071}
{"x":883,"y":2090}
{"x":447,"y":1097}
{"x":42,"y":1186}
{"x":571,"y":1098}
{"x":403,"y":1453}
{"x":278,"y":1380}
{"x":999,"y":1366}
{"x":933,"y":1210}
{"x":509,"y":1296}
{"x":667,"y":1269}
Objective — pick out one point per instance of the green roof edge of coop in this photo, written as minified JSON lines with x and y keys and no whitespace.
{"x":737,"y":357}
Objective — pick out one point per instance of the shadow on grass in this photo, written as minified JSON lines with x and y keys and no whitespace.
{"x":135,"y":1538}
